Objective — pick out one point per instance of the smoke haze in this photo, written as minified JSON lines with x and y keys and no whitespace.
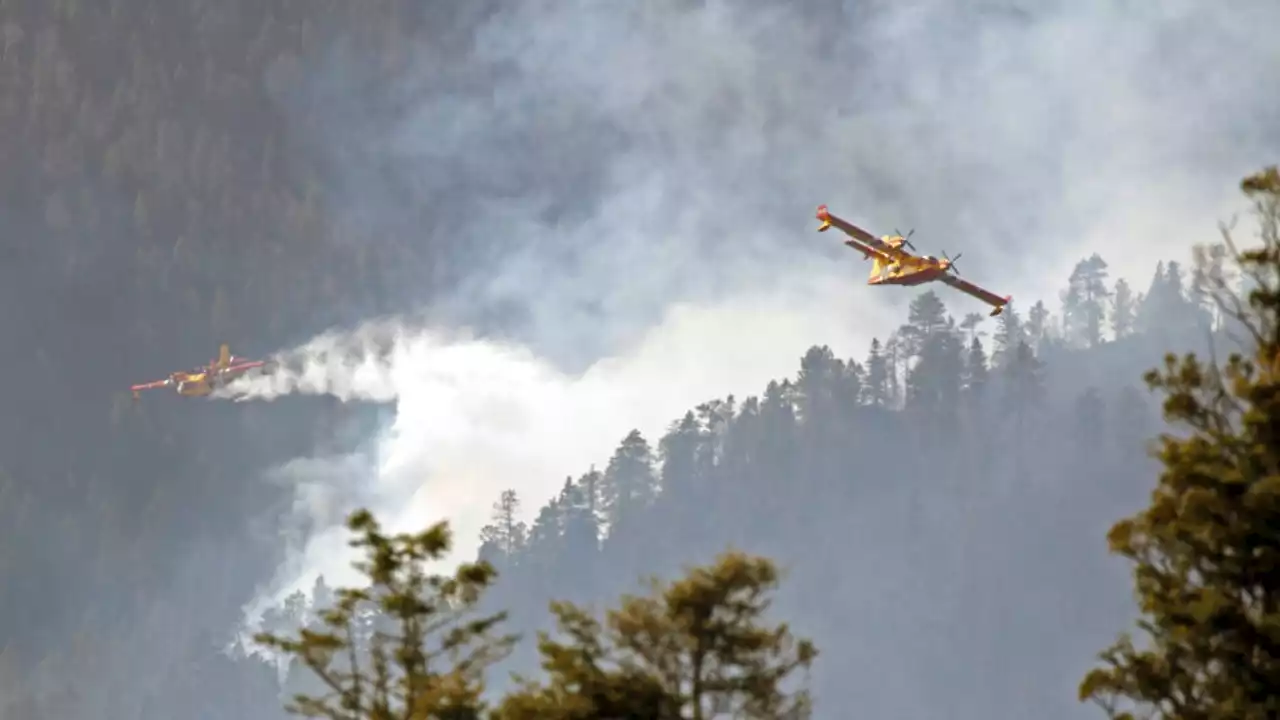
{"x":631,"y":189}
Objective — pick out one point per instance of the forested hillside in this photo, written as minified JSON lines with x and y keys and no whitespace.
{"x":939,"y":505}
{"x":155,"y":200}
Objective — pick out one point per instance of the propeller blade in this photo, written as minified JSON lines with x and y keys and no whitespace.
{"x":906,"y":239}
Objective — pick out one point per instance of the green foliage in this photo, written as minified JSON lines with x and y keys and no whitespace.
{"x":696,"y":648}
{"x":699,"y":645}
{"x":426,"y":653}
{"x":1123,"y":308}
{"x":1206,"y":552}
{"x":1084,"y":302}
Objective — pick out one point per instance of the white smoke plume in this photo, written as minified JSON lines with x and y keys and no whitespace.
{"x":474,"y":417}
{"x":1025,"y":134}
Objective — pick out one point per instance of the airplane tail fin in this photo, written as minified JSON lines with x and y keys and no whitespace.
{"x":224,"y":355}
{"x":877,"y":269}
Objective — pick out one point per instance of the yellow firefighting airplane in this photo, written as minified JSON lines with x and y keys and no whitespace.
{"x":204,"y":380}
{"x":892,"y":265}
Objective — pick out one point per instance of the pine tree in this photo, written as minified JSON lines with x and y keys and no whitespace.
{"x":1155,"y":302}
{"x":896,"y":352}
{"x":628,"y":485}
{"x":506,"y":534}
{"x":580,"y":538}
{"x":1037,"y":327}
{"x":933,"y":385}
{"x":876,"y":391}
{"x":1084,"y":302}
{"x":970,"y":325}
{"x":926,"y":317}
{"x":713,"y":417}
{"x":1009,"y":335}
{"x":428,"y":656}
{"x":698,"y":648}
{"x":974,"y":405}
{"x":1168,"y":310}
{"x":544,"y":536}
{"x":1024,"y":394}
{"x":1205,"y":553}
{"x":976,"y":371}
{"x":680,"y":450}
{"x":1123,"y":310}
{"x":821,"y":375}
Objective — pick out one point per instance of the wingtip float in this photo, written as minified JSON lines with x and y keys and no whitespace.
{"x":894,"y":265}
{"x":204,"y":380}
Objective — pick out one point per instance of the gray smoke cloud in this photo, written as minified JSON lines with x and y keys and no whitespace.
{"x":632,"y":186}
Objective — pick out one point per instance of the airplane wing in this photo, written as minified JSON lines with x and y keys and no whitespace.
{"x":982,"y":294}
{"x":869,"y":250}
{"x":859,"y":238}
{"x":135,"y":389}
{"x":241,"y":367}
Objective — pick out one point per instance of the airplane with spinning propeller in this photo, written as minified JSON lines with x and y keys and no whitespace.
{"x":202,"y":381}
{"x":893,"y":265}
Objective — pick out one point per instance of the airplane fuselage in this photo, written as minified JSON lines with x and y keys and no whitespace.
{"x":909,"y":277}
{"x":202,"y":383}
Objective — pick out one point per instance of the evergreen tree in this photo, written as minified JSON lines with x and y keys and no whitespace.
{"x":970,"y":325}
{"x":1024,"y":394}
{"x":1084,"y":302}
{"x":1175,"y":283}
{"x":696,"y":648}
{"x":544,"y":536}
{"x":819,"y":381}
{"x":926,"y":317}
{"x":877,"y":391}
{"x":976,"y":371}
{"x":974,"y":405}
{"x":1154,"y":303}
{"x":579,"y":546}
{"x":713,"y":417}
{"x":1205,"y":551}
{"x":680,"y":451}
{"x":628,"y":485}
{"x":400,"y":674}
{"x":1168,"y":310}
{"x":1037,"y":327}
{"x":1009,"y":335}
{"x":1123,"y":310}
{"x":849,"y":392}
{"x":506,"y":534}
{"x":933,"y":385}
{"x":897,"y":353}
